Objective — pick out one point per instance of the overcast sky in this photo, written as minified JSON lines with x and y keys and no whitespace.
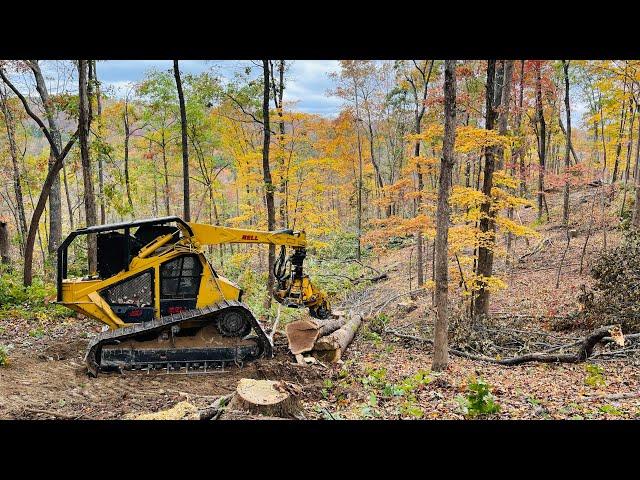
{"x":308,"y":81}
{"x":307,"y":88}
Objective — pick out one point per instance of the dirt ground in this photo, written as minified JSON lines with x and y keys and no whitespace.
{"x":47,"y":379}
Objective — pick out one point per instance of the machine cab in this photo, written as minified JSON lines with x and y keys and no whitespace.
{"x":140,"y":275}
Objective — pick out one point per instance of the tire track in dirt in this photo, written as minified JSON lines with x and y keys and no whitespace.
{"x":52,"y":378}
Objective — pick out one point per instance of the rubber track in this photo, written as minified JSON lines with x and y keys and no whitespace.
{"x":113,"y":336}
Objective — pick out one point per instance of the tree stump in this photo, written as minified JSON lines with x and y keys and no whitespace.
{"x":265,"y":397}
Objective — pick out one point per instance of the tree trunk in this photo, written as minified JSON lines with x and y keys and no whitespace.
{"x":420,"y":108}
{"x":503,"y":117}
{"x":441,"y":348}
{"x":127,"y":136}
{"x":542,"y":138}
{"x":376,"y":167}
{"x":633,"y":109}
{"x":100,"y":160}
{"x":268,"y":184}
{"x":487,"y":224}
{"x":278,"y":93}
{"x":4,"y":243}
{"x":9,"y":122}
{"x":503,"y":121}
{"x":603,"y":140}
{"x":419,"y":249}
{"x":635,"y":216}
{"x":359,"y":205}
{"x":55,"y":210}
{"x":84,"y":121}
{"x":67,"y":194}
{"x":185,"y":147}
{"x":567,"y":106}
{"x":517,"y":156}
{"x":623,"y":119}
{"x":635,"y":219}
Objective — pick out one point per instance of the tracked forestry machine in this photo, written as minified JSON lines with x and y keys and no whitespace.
{"x":166,"y":306}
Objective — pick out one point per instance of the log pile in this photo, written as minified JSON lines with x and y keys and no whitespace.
{"x":325,"y":339}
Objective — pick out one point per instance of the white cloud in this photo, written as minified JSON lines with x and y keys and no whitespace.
{"x":309,"y":84}
{"x":308,"y":81}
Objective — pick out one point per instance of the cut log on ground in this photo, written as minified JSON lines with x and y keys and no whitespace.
{"x":330,"y":347}
{"x":302,"y":334}
{"x":266,"y":397}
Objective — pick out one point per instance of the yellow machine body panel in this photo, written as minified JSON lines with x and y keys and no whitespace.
{"x":84,"y":297}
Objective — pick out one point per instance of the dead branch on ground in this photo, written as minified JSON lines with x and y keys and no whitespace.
{"x":584,"y":351}
{"x":355,"y":281}
{"x":545,"y":242}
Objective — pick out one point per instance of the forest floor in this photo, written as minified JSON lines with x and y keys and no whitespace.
{"x":380,"y":375}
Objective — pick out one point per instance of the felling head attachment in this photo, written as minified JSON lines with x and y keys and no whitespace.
{"x":294,"y":288}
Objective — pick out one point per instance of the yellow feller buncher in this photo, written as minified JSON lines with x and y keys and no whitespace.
{"x":166,"y":306}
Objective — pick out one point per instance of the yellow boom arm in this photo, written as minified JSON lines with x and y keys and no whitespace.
{"x":205,"y":234}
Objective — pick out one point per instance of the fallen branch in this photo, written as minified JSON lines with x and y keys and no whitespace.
{"x":409,"y":337}
{"x":612,"y":397}
{"x":584,"y":352}
{"x":53,"y":414}
{"x":632,"y":336}
{"x":353,"y":260}
{"x":538,"y":248}
{"x":622,"y":351}
{"x":526,"y":332}
{"x":355,"y":281}
{"x":275,"y":324}
{"x":214,"y":411}
{"x":410,"y":292}
{"x":564,"y":254}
